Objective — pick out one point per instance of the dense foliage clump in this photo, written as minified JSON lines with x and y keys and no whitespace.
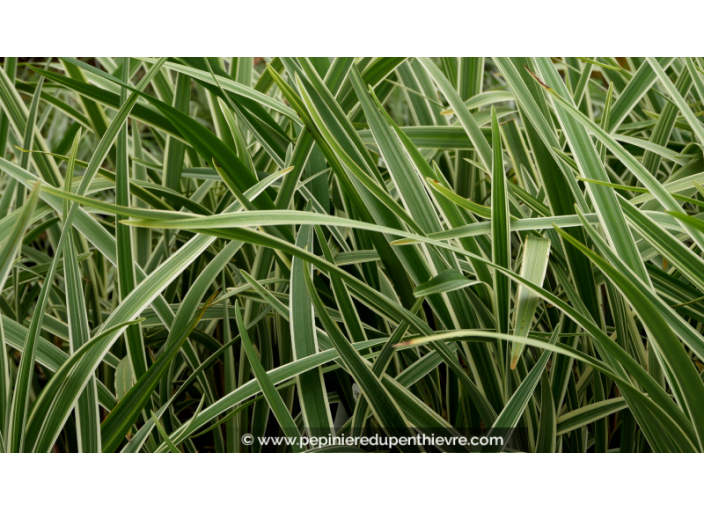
{"x":196,"y":253}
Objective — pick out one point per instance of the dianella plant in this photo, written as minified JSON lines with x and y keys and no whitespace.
{"x":202,"y":254}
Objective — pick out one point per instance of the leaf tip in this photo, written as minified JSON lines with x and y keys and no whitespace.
{"x":535,"y":77}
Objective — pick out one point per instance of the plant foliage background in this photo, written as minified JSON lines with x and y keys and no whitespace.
{"x":196,"y":249}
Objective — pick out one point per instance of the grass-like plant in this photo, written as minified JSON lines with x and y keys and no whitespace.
{"x":195,"y":252}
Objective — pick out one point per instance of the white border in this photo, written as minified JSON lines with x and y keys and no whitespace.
{"x":341,"y":481}
{"x":359,"y":27}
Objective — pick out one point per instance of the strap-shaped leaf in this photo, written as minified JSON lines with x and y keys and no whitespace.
{"x":312,"y":393}
{"x":535,"y":263}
